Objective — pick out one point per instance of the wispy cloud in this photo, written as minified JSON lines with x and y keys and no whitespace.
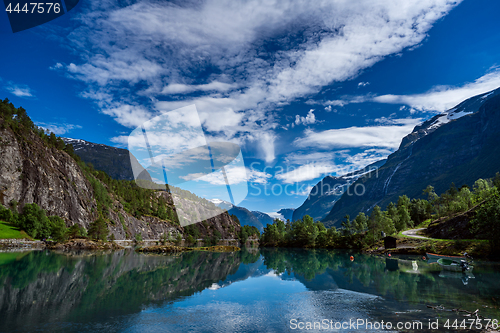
{"x":235,"y":175}
{"x":20,"y":90}
{"x":357,"y":137}
{"x":442,"y":98}
{"x":303,"y":191}
{"x":306,"y":172}
{"x":304,"y":166}
{"x":213,"y":54}
{"x":58,"y":128}
{"x":438,"y":99}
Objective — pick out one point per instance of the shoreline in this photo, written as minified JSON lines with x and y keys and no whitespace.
{"x":146,"y":246}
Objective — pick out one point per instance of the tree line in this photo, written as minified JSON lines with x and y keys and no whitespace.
{"x":364,"y":230}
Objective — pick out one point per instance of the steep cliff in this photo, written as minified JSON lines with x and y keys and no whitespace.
{"x":31,"y":172}
{"x":38,"y":168}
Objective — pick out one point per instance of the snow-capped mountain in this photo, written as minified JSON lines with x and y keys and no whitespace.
{"x":325,"y":193}
{"x":460,"y":145}
{"x":286,"y":213}
{"x":116,"y":162}
{"x":466,"y":108}
{"x":222,"y":204}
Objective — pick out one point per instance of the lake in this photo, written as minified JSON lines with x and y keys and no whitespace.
{"x":254,"y":290}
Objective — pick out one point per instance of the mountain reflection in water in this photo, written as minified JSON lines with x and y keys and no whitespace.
{"x":250,"y":290}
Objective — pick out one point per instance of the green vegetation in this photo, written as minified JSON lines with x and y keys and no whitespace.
{"x":20,"y":123}
{"x":136,"y":200}
{"x":98,"y":230}
{"x":246,"y":232}
{"x":138,"y":238}
{"x":76,"y":231}
{"x":9,"y":231}
{"x":364,"y":231}
{"x":34,"y":222}
{"x":486,"y":223}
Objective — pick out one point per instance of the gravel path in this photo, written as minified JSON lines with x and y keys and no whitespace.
{"x":413,"y":233}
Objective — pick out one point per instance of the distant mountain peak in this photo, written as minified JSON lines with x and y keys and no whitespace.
{"x":118,"y":163}
{"x":221,"y":203}
{"x":459,"y":146}
{"x":465,"y":108}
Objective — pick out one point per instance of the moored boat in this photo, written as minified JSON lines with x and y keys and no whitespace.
{"x":431,"y":257}
{"x":455,"y":265}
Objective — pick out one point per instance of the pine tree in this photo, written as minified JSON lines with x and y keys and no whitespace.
{"x":361,"y":222}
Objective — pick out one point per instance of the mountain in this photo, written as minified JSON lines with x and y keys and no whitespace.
{"x":246,"y":217}
{"x":263,"y":218}
{"x":326,"y":192}
{"x":116,"y":162}
{"x":459,"y":145}
{"x":42,"y":169}
{"x":222,"y":204}
{"x":287,"y":213}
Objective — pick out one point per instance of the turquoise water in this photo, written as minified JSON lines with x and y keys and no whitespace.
{"x":266,"y":290}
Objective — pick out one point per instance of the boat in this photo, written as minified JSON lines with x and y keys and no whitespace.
{"x":454,"y":265}
{"x":431,"y":257}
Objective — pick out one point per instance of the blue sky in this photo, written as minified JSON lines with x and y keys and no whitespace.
{"x":306,"y":89}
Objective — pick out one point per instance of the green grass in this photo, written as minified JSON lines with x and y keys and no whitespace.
{"x":424,"y":224}
{"x":7,"y":231}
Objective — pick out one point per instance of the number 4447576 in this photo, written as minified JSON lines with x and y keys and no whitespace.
{"x":472,"y":324}
{"x":35,"y":7}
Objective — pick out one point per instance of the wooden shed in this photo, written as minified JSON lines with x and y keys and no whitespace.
{"x":390,"y":242}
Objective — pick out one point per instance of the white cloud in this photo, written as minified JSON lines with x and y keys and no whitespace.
{"x":306,"y":172}
{"x":58,"y":129}
{"x":370,"y":136}
{"x":309,"y":119}
{"x":176,"y":88}
{"x":328,"y":108}
{"x":128,"y":115}
{"x":20,"y":90}
{"x":337,"y":162}
{"x":148,"y":49}
{"x":235,"y":175}
{"x":363,"y":84}
{"x":309,"y":157}
{"x":303,"y":191}
{"x":360,"y":160}
{"x":442,"y":98}
{"x":398,"y":121}
{"x":276,"y":215}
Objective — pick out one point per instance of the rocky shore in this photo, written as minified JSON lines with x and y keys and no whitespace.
{"x":164,"y":249}
{"x":21,"y":244}
{"x":148,"y":246}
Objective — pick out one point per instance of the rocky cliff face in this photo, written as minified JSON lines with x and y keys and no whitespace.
{"x":32,"y":172}
{"x":460,"y":146}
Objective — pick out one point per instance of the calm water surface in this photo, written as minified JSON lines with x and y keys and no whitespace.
{"x":248,"y":291}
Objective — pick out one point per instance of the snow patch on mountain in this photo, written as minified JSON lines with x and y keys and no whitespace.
{"x":276,"y":215}
{"x":221,"y":203}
